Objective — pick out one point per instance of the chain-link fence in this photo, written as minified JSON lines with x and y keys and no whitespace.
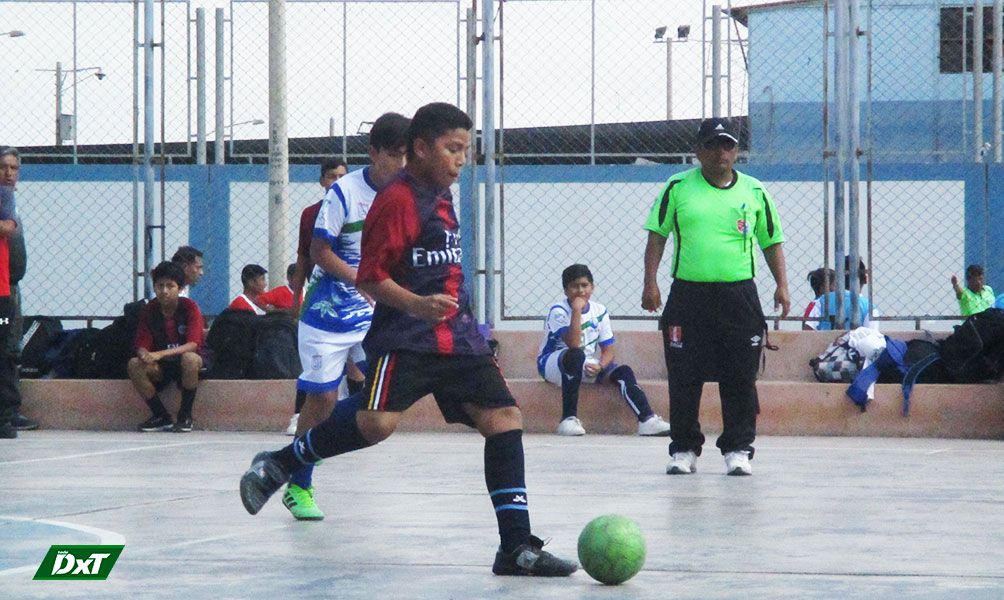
{"x":589,"y":94}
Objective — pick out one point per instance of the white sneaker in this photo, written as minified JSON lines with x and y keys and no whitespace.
{"x":682,"y":463}
{"x":293,"y":422}
{"x":738,"y":463}
{"x":653,"y":426}
{"x":571,"y":426}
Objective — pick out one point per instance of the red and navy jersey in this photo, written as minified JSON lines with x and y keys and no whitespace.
{"x":411,"y":236}
{"x":155,"y":332}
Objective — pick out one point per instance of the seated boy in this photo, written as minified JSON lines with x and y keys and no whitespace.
{"x":814,"y":314}
{"x":573,"y":330}
{"x":168,"y":339}
{"x":254,"y":282}
{"x":281,"y":297}
{"x":976,"y":297}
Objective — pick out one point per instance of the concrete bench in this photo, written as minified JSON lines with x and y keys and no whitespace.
{"x":791,"y":401}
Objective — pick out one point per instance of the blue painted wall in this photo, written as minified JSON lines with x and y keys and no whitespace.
{"x":918,"y":113}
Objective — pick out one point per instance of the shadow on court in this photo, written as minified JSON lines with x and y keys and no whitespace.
{"x":410,"y":518}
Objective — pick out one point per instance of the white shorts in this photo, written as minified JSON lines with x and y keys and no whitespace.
{"x":323,"y":355}
{"x":552,"y":370}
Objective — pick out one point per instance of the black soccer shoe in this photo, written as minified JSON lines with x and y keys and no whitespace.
{"x":263,"y":479}
{"x":530,"y":560}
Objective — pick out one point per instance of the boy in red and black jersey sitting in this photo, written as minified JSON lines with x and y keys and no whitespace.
{"x":168,"y":339}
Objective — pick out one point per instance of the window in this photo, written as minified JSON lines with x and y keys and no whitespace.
{"x":957,"y":24}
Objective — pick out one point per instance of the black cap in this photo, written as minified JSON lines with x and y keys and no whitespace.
{"x":716,"y":127}
{"x":249,"y":272}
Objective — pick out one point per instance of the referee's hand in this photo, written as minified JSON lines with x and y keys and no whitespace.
{"x":651,"y":297}
{"x":782,"y":300}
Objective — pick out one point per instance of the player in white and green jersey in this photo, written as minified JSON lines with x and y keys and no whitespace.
{"x":335,"y":316}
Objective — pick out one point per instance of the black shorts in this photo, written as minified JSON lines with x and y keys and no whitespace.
{"x":170,"y":370}
{"x":397,"y":380}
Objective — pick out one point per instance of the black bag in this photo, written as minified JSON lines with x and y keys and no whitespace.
{"x":73,"y":354}
{"x":116,"y":345}
{"x":39,"y":335}
{"x":231,"y":341}
{"x":276,"y":355}
{"x":975,"y":351}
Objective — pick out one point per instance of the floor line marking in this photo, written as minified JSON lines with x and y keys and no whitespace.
{"x":105,"y":537}
{"x":103,"y":452}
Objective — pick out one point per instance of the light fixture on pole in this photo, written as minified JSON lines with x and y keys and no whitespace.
{"x":248,"y":122}
{"x":682,"y":33}
{"x":66,"y":124}
{"x":12,"y":33}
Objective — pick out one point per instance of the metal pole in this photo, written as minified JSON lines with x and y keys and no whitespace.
{"x":331,"y":127}
{"x":854,"y":143}
{"x":488,"y":144}
{"x":59,"y":103}
{"x":230,"y":80}
{"x":148,"y":141}
{"x":827,"y":151}
{"x":704,"y":58}
{"x":219,"y":154}
{"x":345,"y":82}
{"x":840,"y":107}
{"x":200,"y":86}
{"x":978,"y":80}
{"x":592,"y":83}
{"x":869,"y":162}
{"x":998,"y":39}
{"x":188,"y":78}
{"x":135,"y":152}
{"x":472,"y":190}
{"x":728,"y":61}
{"x":75,"y":69}
{"x":669,"y":79}
{"x":278,"y":143}
{"x":716,"y":61}
{"x":965,"y":88}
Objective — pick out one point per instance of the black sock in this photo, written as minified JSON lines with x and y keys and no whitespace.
{"x":571,"y":379}
{"x":156,"y":406}
{"x":301,"y":397}
{"x":354,"y":386}
{"x":187,"y":400}
{"x":634,"y":396}
{"x":336,"y":435}
{"x":507,"y":487}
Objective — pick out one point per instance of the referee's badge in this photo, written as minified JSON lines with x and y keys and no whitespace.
{"x":742,"y":226}
{"x":675,"y":335}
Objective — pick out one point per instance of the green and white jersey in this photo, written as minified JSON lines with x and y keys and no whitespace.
{"x":714,"y":228}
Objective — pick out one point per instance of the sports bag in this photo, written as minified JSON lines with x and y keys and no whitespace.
{"x":974,"y":352}
{"x":231,"y":342}
{"x":40,"y":333}
{"x":276,"y":355}
{"x":839,"y":363}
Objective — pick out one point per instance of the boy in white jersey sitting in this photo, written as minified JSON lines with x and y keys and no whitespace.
{"x":573,"y":331}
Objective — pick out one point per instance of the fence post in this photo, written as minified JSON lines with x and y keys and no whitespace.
{"x":488,"y":144}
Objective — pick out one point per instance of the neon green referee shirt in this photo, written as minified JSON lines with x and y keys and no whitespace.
{"x":714,"y":228}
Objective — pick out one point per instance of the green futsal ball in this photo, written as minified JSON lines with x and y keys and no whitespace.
{"x":612,"y":549}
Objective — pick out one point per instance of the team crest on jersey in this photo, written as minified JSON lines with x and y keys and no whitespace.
{"x":742,"y":226}
{"x":674,"y":334}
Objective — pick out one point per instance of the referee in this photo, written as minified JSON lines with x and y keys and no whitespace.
{"x":713,"y":327}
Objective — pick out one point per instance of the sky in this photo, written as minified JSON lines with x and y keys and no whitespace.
{"x":398,"y":56}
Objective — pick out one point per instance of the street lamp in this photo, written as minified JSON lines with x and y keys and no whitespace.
{"x":66,"y":124}
{"x":248,"y":122}
{"x":12,"y":33}
{"x":682,"y":33}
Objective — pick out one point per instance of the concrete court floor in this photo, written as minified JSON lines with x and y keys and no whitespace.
{"x":820,"y":518}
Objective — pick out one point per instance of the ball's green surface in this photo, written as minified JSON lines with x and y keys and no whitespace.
{"x":611,"y":549}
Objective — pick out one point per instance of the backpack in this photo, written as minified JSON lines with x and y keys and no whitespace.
{"x":839,"y":363}
{"x":116,"y":344}
{"x":72,"y":356}
{"x":276,"y":355}
{"x":974,"y":352}
{"x":39,"y":335}
{"x":231,"y":341}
